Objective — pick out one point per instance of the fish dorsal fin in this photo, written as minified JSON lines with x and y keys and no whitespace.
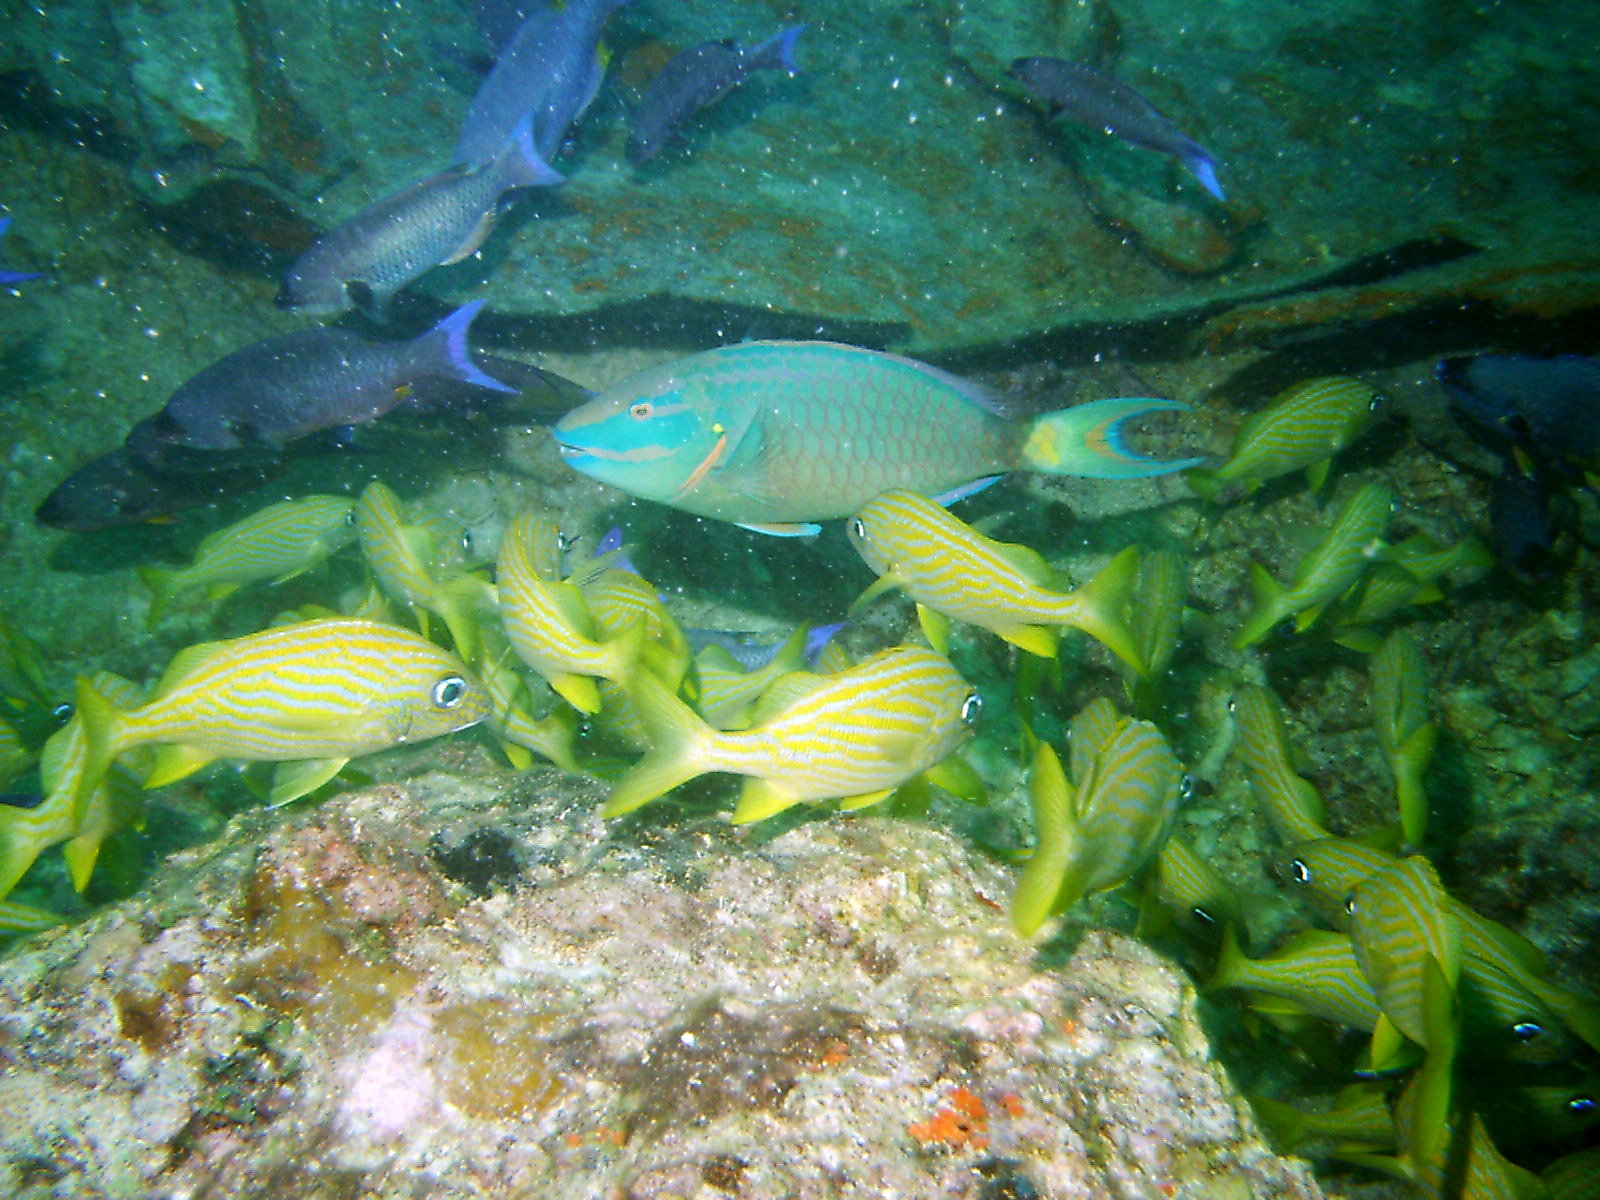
{"x":784,"y":694}
{"x":1029,"y":562}
{"x":184,"y":664}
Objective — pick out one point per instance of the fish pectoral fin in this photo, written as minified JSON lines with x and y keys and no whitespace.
{"x":958,"y":777}
{"x":293,"y":780}
{"x":864,"y":800}
{"x":580,"y":691}
{"x":175,"y":762}
{"x":935,"y":627}
{"x":475,"y":238}
{"x":884,"y":583}
{"x":782,"y":528}
{"x":1035,"y":639}
{"x":761,"y":799}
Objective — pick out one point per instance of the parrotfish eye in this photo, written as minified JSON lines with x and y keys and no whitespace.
{"x":971,"y":708}
{"x":642,"y":410}
{"x":1299,"y":871}
{"x":449,"y":692}
{"x":1526,"y":1031}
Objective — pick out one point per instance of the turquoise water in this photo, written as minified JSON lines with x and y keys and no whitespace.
{"x":1404,"y":183}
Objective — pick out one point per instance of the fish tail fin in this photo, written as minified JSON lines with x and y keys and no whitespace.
{"x":444,"y":350}
{"x":1203,"y":167}
{"x":1231,"y":962}
{"x":457,"y":603}
{"x":523,"y":164}
{"x":1088,"y":439}
{"x":777,"y":52}
{"x":676,"y":756}
{"x":163,"y":586}
{"x":1286,"y":1125}
{"x":1057,"y":845}
{"x":1269,"y":610}
{"x":1410,"y":796}
{"x":1101,"y":604}
{"x":102,"y":737}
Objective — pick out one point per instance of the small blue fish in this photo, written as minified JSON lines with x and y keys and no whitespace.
{"x":1091,"y":98}
{"x":9,"y":277}
{"x":547,"y":75}
{"x":696,"y":79}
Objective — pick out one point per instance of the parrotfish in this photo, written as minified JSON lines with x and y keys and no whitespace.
{"x":1096,"y":831}
{"x":1302,"y":429}
{"x":279,"y":542}
{"x":311,"y":695}
{"x":951,"y":570}
{"x":854,"y":737}
{"x":1092,"y":98}
{"x":1406,"y":732}
{"x":1353,"y":541}
{"x":546,"y":76}
{"x":365,"y":260}
{"x":7,"y":278}
{"x":776,"y":436}
{"x":286,"y":387}
{"x":1550,"y":406}
{"x":1292,"y":805}
{"x":549,"y":623}
{"x":697,"y":78}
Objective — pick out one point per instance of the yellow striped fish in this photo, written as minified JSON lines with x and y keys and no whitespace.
{"x":279,"y":542}
{"x":549,"y":623}
{"x":16,"y":756}
{"x":1098,"y":834}
{"x":1360,"y":1114}
{"x":1406,"y":734}
{"x":1302,"y":429}
{"x":950,"y":569}
{"x":25,"y":918}
{"x":726,"y":691}
{"x":314,"y":695}
{"x":405,"y":556}
{"x":1408,"y":574}
{"x":853,"y":737}
{"x":1292,"y":805}
{"x":1191,"y":889}
{"x":1324,"y":574}
{"x":1315,"y":970}
{"x":619,"y":599}
{"x":1459,"y":1160}
{"x":1158,"y":599}
{"x":1401,"y":918}
{"x":512,"y":719}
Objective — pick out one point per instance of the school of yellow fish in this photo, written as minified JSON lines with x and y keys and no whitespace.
{"x":1463,"y":1033}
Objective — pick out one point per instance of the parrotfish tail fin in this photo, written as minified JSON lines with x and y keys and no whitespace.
{"x":162,"y":589}
{"x":1270,"y":608}
{"x":100,"y":737}
{"x":1203,"y":167}
{"x":522,"y":163}
{"x":1087,"y":439}
{"x":676,"y":732}
{"x":778,"y":52}
{"x":444,"y":350}
{"x":1102,"y":604}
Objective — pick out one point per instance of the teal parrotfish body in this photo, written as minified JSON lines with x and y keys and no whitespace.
{"x":778,"y":435}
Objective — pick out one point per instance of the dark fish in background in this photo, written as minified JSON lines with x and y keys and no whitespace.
{"x":1526,"y":516}
{"x":752,"y":652}
{"x":1091,"y":98}
{"x":434,"y":222}
{"x":9,"y":277}
{"x":119,"y":489}
{"x":549,"y":73}
{"x":286,"y":387}
{"x":1550,"y":406}
{"x":697,"y":78}
{"x":499,"y":20}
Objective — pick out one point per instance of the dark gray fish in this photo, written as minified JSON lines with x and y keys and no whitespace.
{"x":499,"y":20}
{"x":120,"y":489}
{"x":697,"y":78}
{"x":439,"y":220}
{"x":9,"y":277}
{"x":283,"y":388}
{"x":1091,"y":98}
{"x":548,"y":74}
{"x":1551,"y":406}
{"x":1525,"y":520}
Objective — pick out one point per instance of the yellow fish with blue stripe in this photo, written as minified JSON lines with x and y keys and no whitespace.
{"x":1405,"y":729}
{"x":1301,"y":429}
{"x":1316,"y":971}
{"x":1292,"y":805}
{"x":854,"y":737}
{"x":1352,"y":542}
{"x":548,"y":621}
{"x":952,"y":571}
{"x":312,"y":695}
{"x":279,"y":542}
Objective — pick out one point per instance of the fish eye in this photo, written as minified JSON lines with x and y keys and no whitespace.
{"x":1203,"y":915}
{"x":1186,"y":788}
{"x":1299,"y":871}
{"x":1526,"y":1031}
{"x":1350,"y":904}
{"x":449,"y":692}
{"x":1233,"y":704}
{"x":858,"y":529}
{"x":642,"y":410}
{"x":971,"y":707}
{"x":62,"y":713}
{"x":466,"y":541}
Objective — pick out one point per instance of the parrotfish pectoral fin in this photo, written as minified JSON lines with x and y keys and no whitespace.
{"x":966,"y":489}
{"x":781,"y":528}
{"x":1088,"y":440}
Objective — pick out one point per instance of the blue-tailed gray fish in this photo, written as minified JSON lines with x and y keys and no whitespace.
{"x":121,"y":488}
{"x":776,"y":436}
{"x":279,"y":542}
{"x":751,"y":652}
{"x":7,"y":278}
{"x":1096,"y":831}
{"x":274,"y":391}
{"x":1352,"y":542}
{"x":436,"y":221}
{"x":1528,"y":514}
{"x":1551,"y":406}
{"x":1095,"y":99}
{"x":1406,"y":732}
{"x":951,"y":570}
{"x":853,"y":737}
{"x":697,"y":78}
{"x":313,"y":695}
{"x":1301,"y":429}
{"x":547,"y":75}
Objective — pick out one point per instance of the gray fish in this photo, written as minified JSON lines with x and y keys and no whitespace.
{"x":286,"y":387}
{"x":437,"y":221}
{"x":1097,"y":100}
{"x":548,"y":74}
{"x":121,"y":489}
{"x":1550,"y":405}
{"x":697,"y":78}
